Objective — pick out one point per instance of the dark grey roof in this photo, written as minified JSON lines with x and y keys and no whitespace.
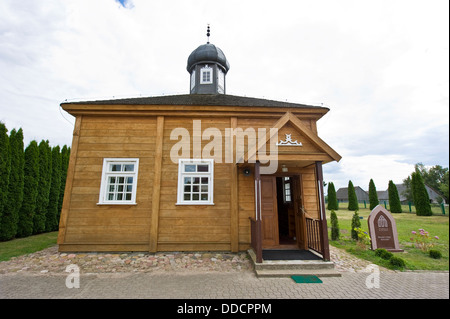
{"x":342,"y":193}
{"x":207,"y":53}
{"x":198,"y":99}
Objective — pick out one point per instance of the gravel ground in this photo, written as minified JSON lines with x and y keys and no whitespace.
{"x":51,"y":261}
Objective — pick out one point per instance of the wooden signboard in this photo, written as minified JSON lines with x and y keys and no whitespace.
{"x":382,"y":229}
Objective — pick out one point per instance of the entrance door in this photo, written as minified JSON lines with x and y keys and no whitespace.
{"x":300,"y":222}
{"x":275,"y":212}
{"x":269,"y":214}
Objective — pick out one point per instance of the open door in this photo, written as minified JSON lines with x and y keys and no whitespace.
{"x":270,"y":237}
{"x":300,"y":221}
{"x":278,"y":201}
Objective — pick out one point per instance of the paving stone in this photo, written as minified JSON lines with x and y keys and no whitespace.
{"x":198,"y":275}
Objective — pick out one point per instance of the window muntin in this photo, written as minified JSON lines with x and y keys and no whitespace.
{"x":195,"y":182}
{"x":287,"y":191}
{"x":206,"y":75}
{"x":119,"y":181}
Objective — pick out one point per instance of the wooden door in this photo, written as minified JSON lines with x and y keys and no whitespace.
{"x":269,"y":214}
{"x":300,"y":222}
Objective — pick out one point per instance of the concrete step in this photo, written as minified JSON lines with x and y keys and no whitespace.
{"x":297,"y":272}
{"x":294,"y":264}
{"x":286,"y":268}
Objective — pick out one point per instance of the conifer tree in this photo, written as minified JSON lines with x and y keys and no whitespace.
{"x":334,"y":226}
{"x":332,"y":199}
{"x":65,"y":156}
{"x":10,"y":218}
{"x":5,"y":166}
{"x":352,"y":199}
{"x":45,"y":170}
{"x":373,"y":196}
{"x":394,"y":199}
{"x":51,"y":222}
{"x":420,"y":194}
{"x":30,"y":192}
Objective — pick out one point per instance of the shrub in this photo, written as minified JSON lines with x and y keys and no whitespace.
{"x":334,"y":226}
{"x":383,"y":253}
{"x":423,"y":240}
{"x":436,"y":254}
{"x":363,"y":238}
{"x":356,"y":223}
{"x":397,"y":262}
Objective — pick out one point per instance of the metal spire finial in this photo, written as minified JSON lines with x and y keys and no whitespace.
{"x":208,"y":33}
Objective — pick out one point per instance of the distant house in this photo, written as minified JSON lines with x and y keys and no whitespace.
{"x":342,"y":194}
{"x":383,"y":196}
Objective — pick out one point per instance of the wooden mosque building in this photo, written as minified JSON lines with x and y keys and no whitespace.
{"x":205,"y":171}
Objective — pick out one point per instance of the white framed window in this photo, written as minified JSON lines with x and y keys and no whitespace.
{"x":119,"y":181}
{"x":206,"y":75}
{"x":195,"y":182}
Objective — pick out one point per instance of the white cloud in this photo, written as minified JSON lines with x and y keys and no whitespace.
{"x":361,"y":169}
{"x":380,"y":66}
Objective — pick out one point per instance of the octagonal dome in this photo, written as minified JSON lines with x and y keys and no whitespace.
{"x":207,"y":53}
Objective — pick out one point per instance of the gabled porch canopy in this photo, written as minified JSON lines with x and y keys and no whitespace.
{"x":312,"y":150}
{"x":302,"y":148}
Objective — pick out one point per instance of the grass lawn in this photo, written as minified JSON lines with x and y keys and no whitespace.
{"x":436,"y":225}
{"x":27,"y":245}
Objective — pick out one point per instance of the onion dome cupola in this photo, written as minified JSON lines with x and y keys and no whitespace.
{"x":208,"y":67}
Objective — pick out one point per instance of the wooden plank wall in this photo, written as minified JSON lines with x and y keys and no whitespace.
{"x":105,"y":227}
{"x":223,"y":226}
{"x":196,"y":227}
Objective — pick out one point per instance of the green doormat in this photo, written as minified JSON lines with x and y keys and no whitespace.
{"x":309,"y":279}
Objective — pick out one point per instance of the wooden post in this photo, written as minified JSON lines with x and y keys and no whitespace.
{"x":234,"y":218}
{"x":69,"y":181}
{"x":323,"y":217}
{"x":258,"y":213}
{"x":153,"y":240}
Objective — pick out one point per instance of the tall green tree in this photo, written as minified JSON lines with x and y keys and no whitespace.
{"x":45,"y":173}
{"x":332,"y":198}
{"x":435,"y":177}
{"x":421,"y":198}
{"x":352,"y":199}
{"x":30,"y":191}
{"x":394,"y":199}
{"x":444,"y":187}
{"x":407,"y":182}
{"x":51,"y":222}
{"x":432,"y":176}
{"x":10,"y":218}
{"x":373,"y":196}
{"x":65,"y":156}
{"x":5,"y":166}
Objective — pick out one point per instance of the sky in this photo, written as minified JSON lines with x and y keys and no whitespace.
{"x":381,"y":67}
